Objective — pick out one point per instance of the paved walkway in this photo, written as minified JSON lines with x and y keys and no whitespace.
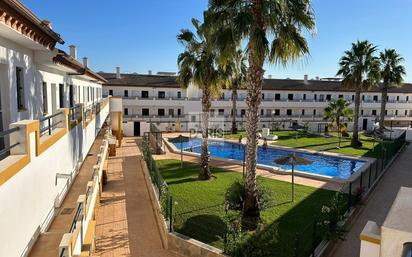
{"x":379,"y":203}
{"x":125,"y":222}
{"x":48,"y":242}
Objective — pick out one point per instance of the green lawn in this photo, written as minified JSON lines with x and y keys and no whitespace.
{"x":320,"y":143}
{"x":199,"y":212}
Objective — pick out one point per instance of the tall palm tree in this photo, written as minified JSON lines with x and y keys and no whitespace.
{"x":392,"y":73}
{"x":273,"y":30}
{"x":197,"y":65}
{"x":235,"y":70}
{"x":335,"y":113}
{"x":359,"y":68}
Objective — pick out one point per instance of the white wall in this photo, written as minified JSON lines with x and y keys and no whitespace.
{"x":27,"y":199}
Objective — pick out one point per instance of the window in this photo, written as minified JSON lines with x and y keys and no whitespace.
{"x":374,"y":112}
{"x":340,"y":96}
{"x":171,"y":112}
{"x":361,"y":112}
{"x":263,"y":96}
{"x":315,"y":97}
{"x":407,"y":98}
{"x":363,"y":97}
{"x":145,"y":94}
{"x":262,"y":112}
{"x":179,"y":112}
{"x":161,"y":94}
{"x":145,"y":112}
{"x":289,"y":112}
{"x":212,"y":112}
{"x":242,"y":112}
{"x":396,"y":112}
{"x":397,"y":98}
{"x":303,"y":111}
{"x":111,"y":92}
{"x":161,"y":112}
{"x":20,"y":88}
{"x":375,"y":98}
{"x":126,"y":93}
{"x":44,"y":92}
{"x":277,"y":96}
{"x":126,"y":111}
{"x":406,"y":112}
{"x":290,"y":96}
{"x":314,"y":112}
{"x":353,"y":97}
{"x":223,"y":96}
{"x":386,"y":112}
{"x":328,"y":97}
{"x":179,"y":94}
{"x":277,"y":112}
{"x":321,"y":98}
{"x":61,"y":95}
{"x":71,"y":95}
{"x":304,"y":96}
{"x":221,"y":112}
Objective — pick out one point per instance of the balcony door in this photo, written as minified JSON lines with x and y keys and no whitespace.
{"x":54,"y":97}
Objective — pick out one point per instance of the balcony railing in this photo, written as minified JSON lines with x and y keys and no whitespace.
{"x":4,"y":152}
{"x":49,"y":123}
{"x":75,"y":112}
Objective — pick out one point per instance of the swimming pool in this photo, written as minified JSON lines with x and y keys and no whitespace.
{"x":325,"y":165}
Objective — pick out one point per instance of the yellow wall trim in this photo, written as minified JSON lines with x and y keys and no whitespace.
{"x":370,"y":239}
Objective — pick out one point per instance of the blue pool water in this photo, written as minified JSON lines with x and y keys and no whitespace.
{"x":337,"y":167}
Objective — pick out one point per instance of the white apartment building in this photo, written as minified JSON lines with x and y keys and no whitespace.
{"x":159,"y":99}
{"x":51,"y":111}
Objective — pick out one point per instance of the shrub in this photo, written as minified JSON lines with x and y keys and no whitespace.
{"x":332,"y":218}
{"x":235,"y":195}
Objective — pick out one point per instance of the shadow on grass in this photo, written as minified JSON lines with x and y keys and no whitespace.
{"x":202,"y":227}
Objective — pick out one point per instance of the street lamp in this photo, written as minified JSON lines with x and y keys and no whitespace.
{"x":243,"y":142}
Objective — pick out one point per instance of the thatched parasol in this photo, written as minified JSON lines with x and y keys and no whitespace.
{"x":180,"y":139}
{"x":292,"y":160}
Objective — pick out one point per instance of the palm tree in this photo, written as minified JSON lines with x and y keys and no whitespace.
{"x":234,"y":69}
{"x":197,"y":65}
{"x":335,"y":113}
{"x":392,"y":73}
{"x":360,"y":70}
{"x":273,"y":31}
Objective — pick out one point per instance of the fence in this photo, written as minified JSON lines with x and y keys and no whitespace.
{"x":155,"y":139}
{"x":162,"y":191}
{"x":351,"y":195}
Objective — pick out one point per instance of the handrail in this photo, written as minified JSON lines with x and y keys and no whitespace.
{"x":50,"y":125}
{"x":62,"y":253}
{"x":76,"y":218}
{"x":3,"y":134}
{"x":75,"y":111}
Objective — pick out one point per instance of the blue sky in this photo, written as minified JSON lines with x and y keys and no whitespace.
{"x":140,"y":35}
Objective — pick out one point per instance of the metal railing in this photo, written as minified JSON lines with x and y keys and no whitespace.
{"x":77,"y":217}
{"x":4,"y":152}
{"x":47,"y":124}
{"x":75,"y":112}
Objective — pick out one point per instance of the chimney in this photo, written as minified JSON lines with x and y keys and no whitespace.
{"x":85,"y":62}
{"x":73,"y":51}
{"x":118,"y":72}
{"x":305,"y":78}
{"x":150,"y":72}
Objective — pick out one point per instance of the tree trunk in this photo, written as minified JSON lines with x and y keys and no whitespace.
{"x":355,"y":137}
{"x":234,"y":112}
{"x":383,"y":107}
{"x":204,"y":157}
{"x":251,"y":208}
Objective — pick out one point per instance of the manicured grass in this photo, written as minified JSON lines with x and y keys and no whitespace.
{"x":321,"y":143}
{"x":199,"y":211}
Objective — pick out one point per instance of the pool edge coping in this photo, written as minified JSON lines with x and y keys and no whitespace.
{"x":368,"y":161}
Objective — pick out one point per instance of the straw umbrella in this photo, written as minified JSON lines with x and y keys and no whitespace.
{"x":180,"y":139}
{"x":292,"y":160}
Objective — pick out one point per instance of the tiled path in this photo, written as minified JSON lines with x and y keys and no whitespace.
{"x":48,"y":243}
{"x":126,"y":225}
{"x":379,"y":203}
